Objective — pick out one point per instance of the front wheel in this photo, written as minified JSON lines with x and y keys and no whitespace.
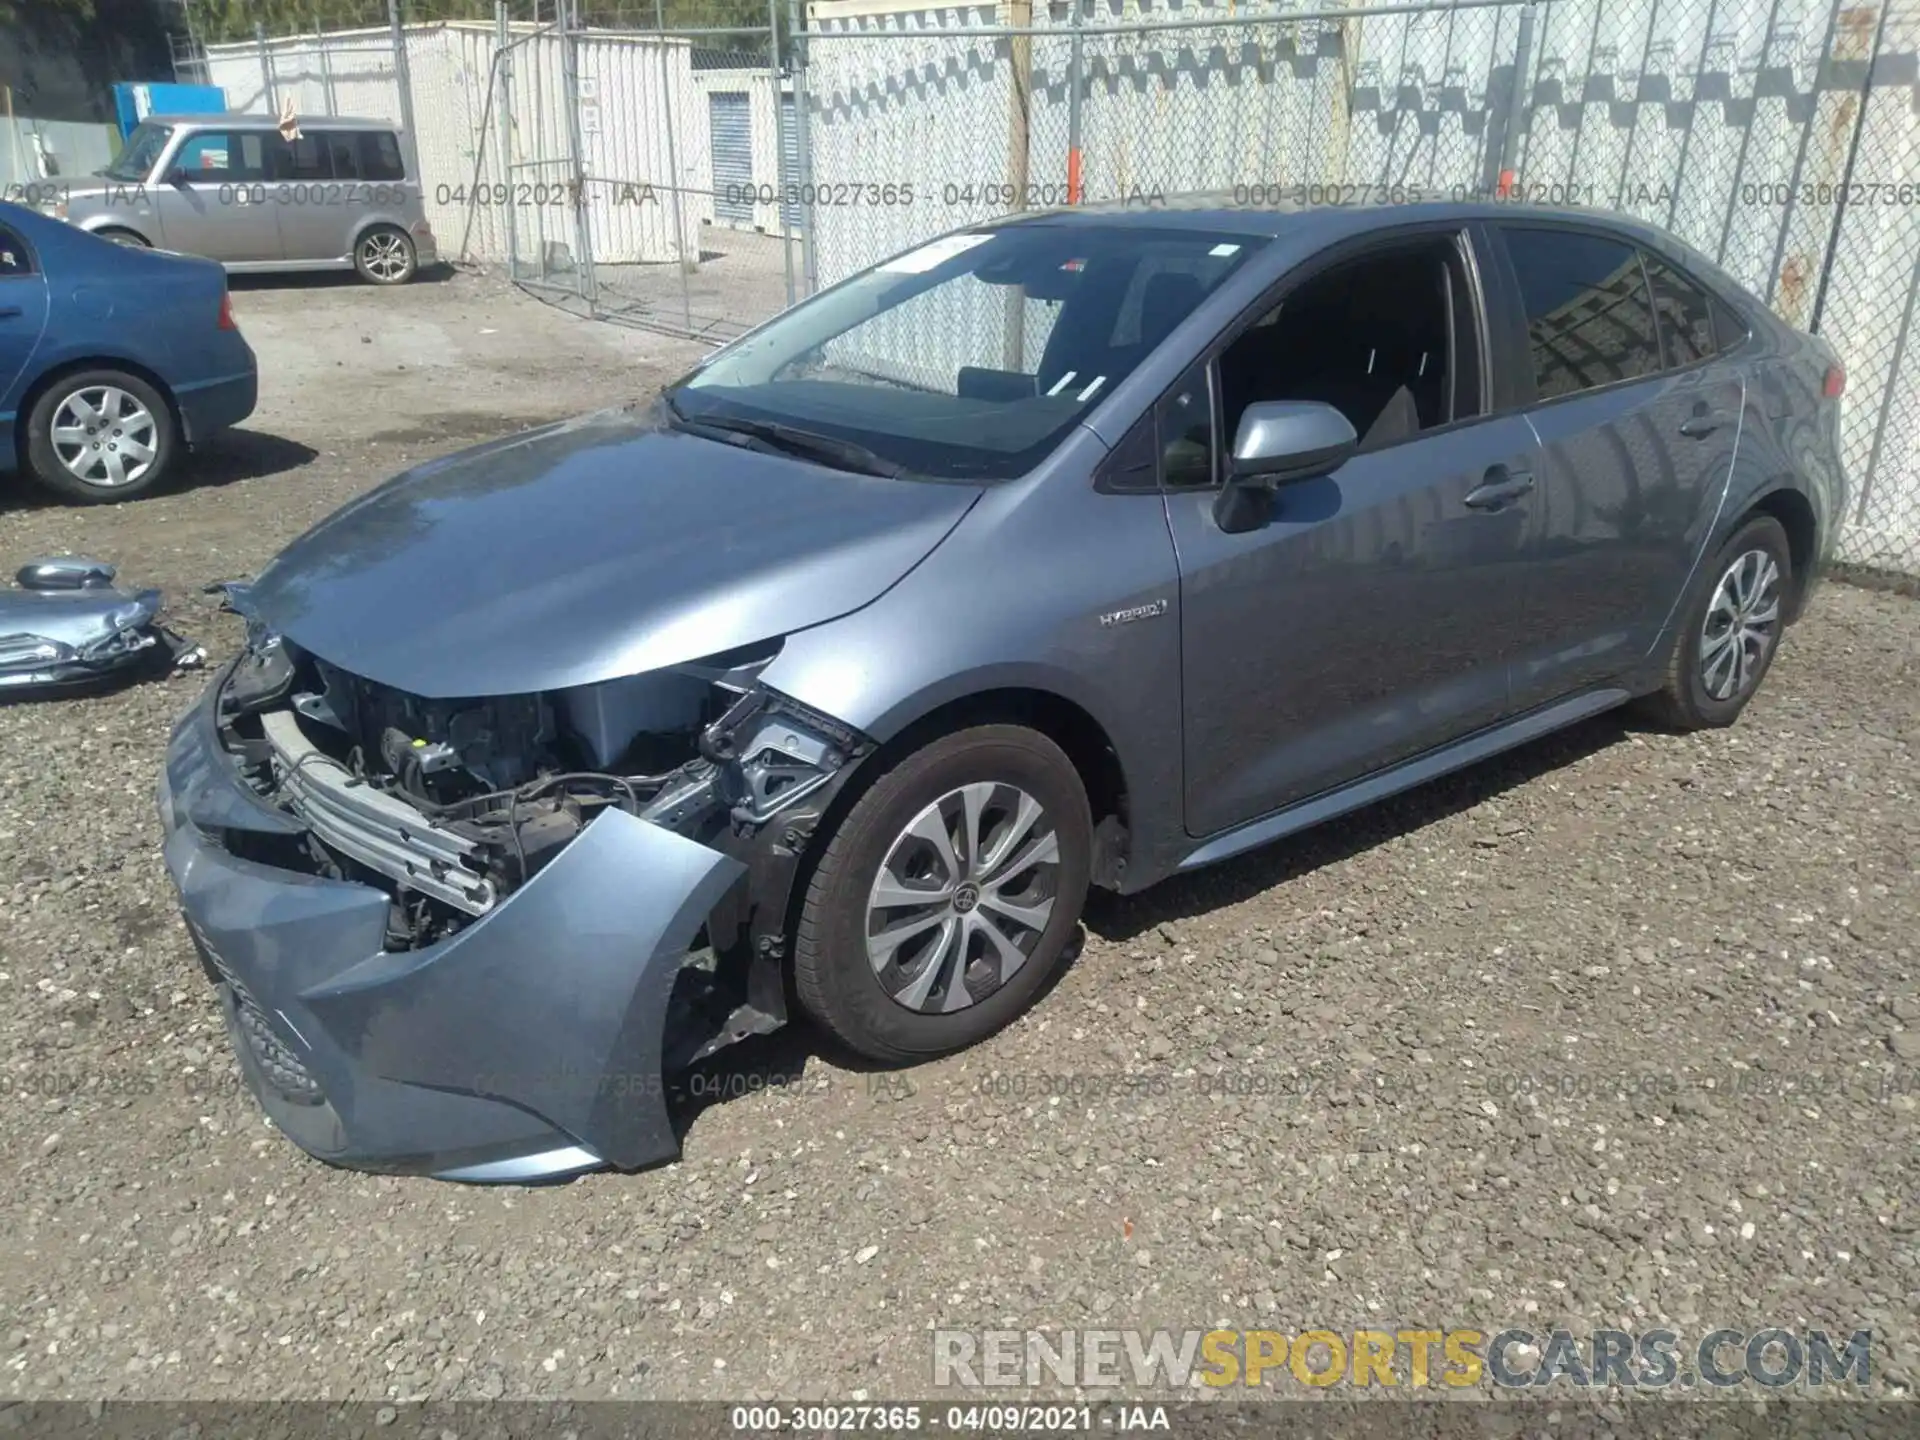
{"x":384,"y":256}
{"x":947,"y":895}
{"x":100,"y":435}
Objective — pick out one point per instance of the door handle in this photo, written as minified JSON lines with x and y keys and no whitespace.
{"x":1500,"y":488}
{"x":1698,"y":427}
{"x":11,"y":312}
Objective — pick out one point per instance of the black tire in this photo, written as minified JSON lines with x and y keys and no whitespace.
{"x":125,"y":237}
{"x":836,"y":983}
{"x":375,"y":242}
{"x":44,"y":462}
{"x":1684,"y":700}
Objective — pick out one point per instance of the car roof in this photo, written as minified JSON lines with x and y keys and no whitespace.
{"x":1220,"y":212}
{"x":233,"y":120}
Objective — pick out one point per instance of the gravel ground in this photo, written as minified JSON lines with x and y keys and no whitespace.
{"x":1290,"y":1092}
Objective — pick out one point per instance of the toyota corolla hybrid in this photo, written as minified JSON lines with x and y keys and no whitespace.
{"x":1080,"y":549}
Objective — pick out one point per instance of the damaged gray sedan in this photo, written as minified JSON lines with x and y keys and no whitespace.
{"x":1077,"y":550}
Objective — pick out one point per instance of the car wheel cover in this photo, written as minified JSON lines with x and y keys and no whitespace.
{"x":962,"y":898}
{"x":1741,"y":625}
{"x":385,"y":256}
{"x":105,"y":437}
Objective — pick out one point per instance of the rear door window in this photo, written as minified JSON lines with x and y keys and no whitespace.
{"x":342,"y":153}
{"x":380,"y":156}
{"x":1588,"y":311}
{"x":306,"y":158}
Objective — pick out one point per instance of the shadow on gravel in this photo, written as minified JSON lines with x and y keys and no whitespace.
{"x":239,"y":455}
{"x":1120,"y":918}
{"x":229,"y":456}
{"x":436,"y":274}
{"x":779,"y":1061}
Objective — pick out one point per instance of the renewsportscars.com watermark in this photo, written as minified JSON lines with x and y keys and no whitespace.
{"x":1770,"y":1358}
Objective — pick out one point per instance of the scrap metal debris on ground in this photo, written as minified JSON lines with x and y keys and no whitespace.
{"x":67,"y":625}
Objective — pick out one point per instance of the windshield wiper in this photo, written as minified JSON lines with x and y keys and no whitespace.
{"x":807,"y":444}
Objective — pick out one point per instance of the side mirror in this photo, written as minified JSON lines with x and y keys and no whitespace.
{"x":177,"y":176}
{"x":1282,"y":440}
{"x":65,"y":572}
{"x":1279,"y":441}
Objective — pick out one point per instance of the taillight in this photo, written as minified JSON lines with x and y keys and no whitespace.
{"x":227,"y":321}
{"x":1836,"y":381}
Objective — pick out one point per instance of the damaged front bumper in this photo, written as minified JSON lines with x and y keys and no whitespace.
{"x":66,"y":626}
{"x":529,"y":1044}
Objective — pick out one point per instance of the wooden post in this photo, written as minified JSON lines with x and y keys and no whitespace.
{"x":1019,"y":94}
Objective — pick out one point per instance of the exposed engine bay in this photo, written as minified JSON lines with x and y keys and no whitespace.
{"x":451,"y":805}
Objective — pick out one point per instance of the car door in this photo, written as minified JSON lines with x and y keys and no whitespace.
{"x":311,"y":206}
{"x":1638,"y":422}
{"x":215,"y":198}
{"x":23,"y":318}
{"x":1368,"y":618}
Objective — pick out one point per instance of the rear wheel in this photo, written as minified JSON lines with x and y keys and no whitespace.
{"x":947,"y":896}
{"x":100,"y":435}
{"x":1730,"y":629}
{"x":384,"y":256}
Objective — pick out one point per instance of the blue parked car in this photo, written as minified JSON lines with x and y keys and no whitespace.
{"x":113,"y":360}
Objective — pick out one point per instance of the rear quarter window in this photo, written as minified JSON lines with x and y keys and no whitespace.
{"x":14,"y":259}
{"x":1729,"y":329}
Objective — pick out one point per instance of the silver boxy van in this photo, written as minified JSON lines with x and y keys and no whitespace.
{"x":338,"y":194}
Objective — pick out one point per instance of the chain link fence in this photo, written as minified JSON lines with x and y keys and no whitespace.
{"x":653,"y":167}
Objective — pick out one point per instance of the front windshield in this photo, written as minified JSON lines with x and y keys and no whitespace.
{"x":970,"y":357}
{"x":143,"y":147}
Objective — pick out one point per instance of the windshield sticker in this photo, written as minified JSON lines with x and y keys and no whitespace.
{"x":1062,"y":382}
{"x":934,"y":252}
{"x":1222,"y":251}
{"x":1093,"y":389}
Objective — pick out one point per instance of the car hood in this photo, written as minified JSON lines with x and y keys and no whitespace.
{"x":592,"y":549}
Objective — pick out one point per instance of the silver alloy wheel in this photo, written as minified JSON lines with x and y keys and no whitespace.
{"x":104,"y":436}
{"x":962,"y":898}
{"x":1743,"y":621}
{"x":384,"y":254}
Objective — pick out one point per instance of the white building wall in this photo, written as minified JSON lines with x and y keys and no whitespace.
{"x":758,"y":86}
{"x":630,"y":86}
{"x":37,"y":152}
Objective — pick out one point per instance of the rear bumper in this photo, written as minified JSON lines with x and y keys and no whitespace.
{"x":209,"y":406}
{"x":526,"y":1046}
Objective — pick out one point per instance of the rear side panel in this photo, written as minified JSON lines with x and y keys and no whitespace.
{"x":1794,"y":441}
{"x":23,"y":319}
{"x":111,"y":306}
